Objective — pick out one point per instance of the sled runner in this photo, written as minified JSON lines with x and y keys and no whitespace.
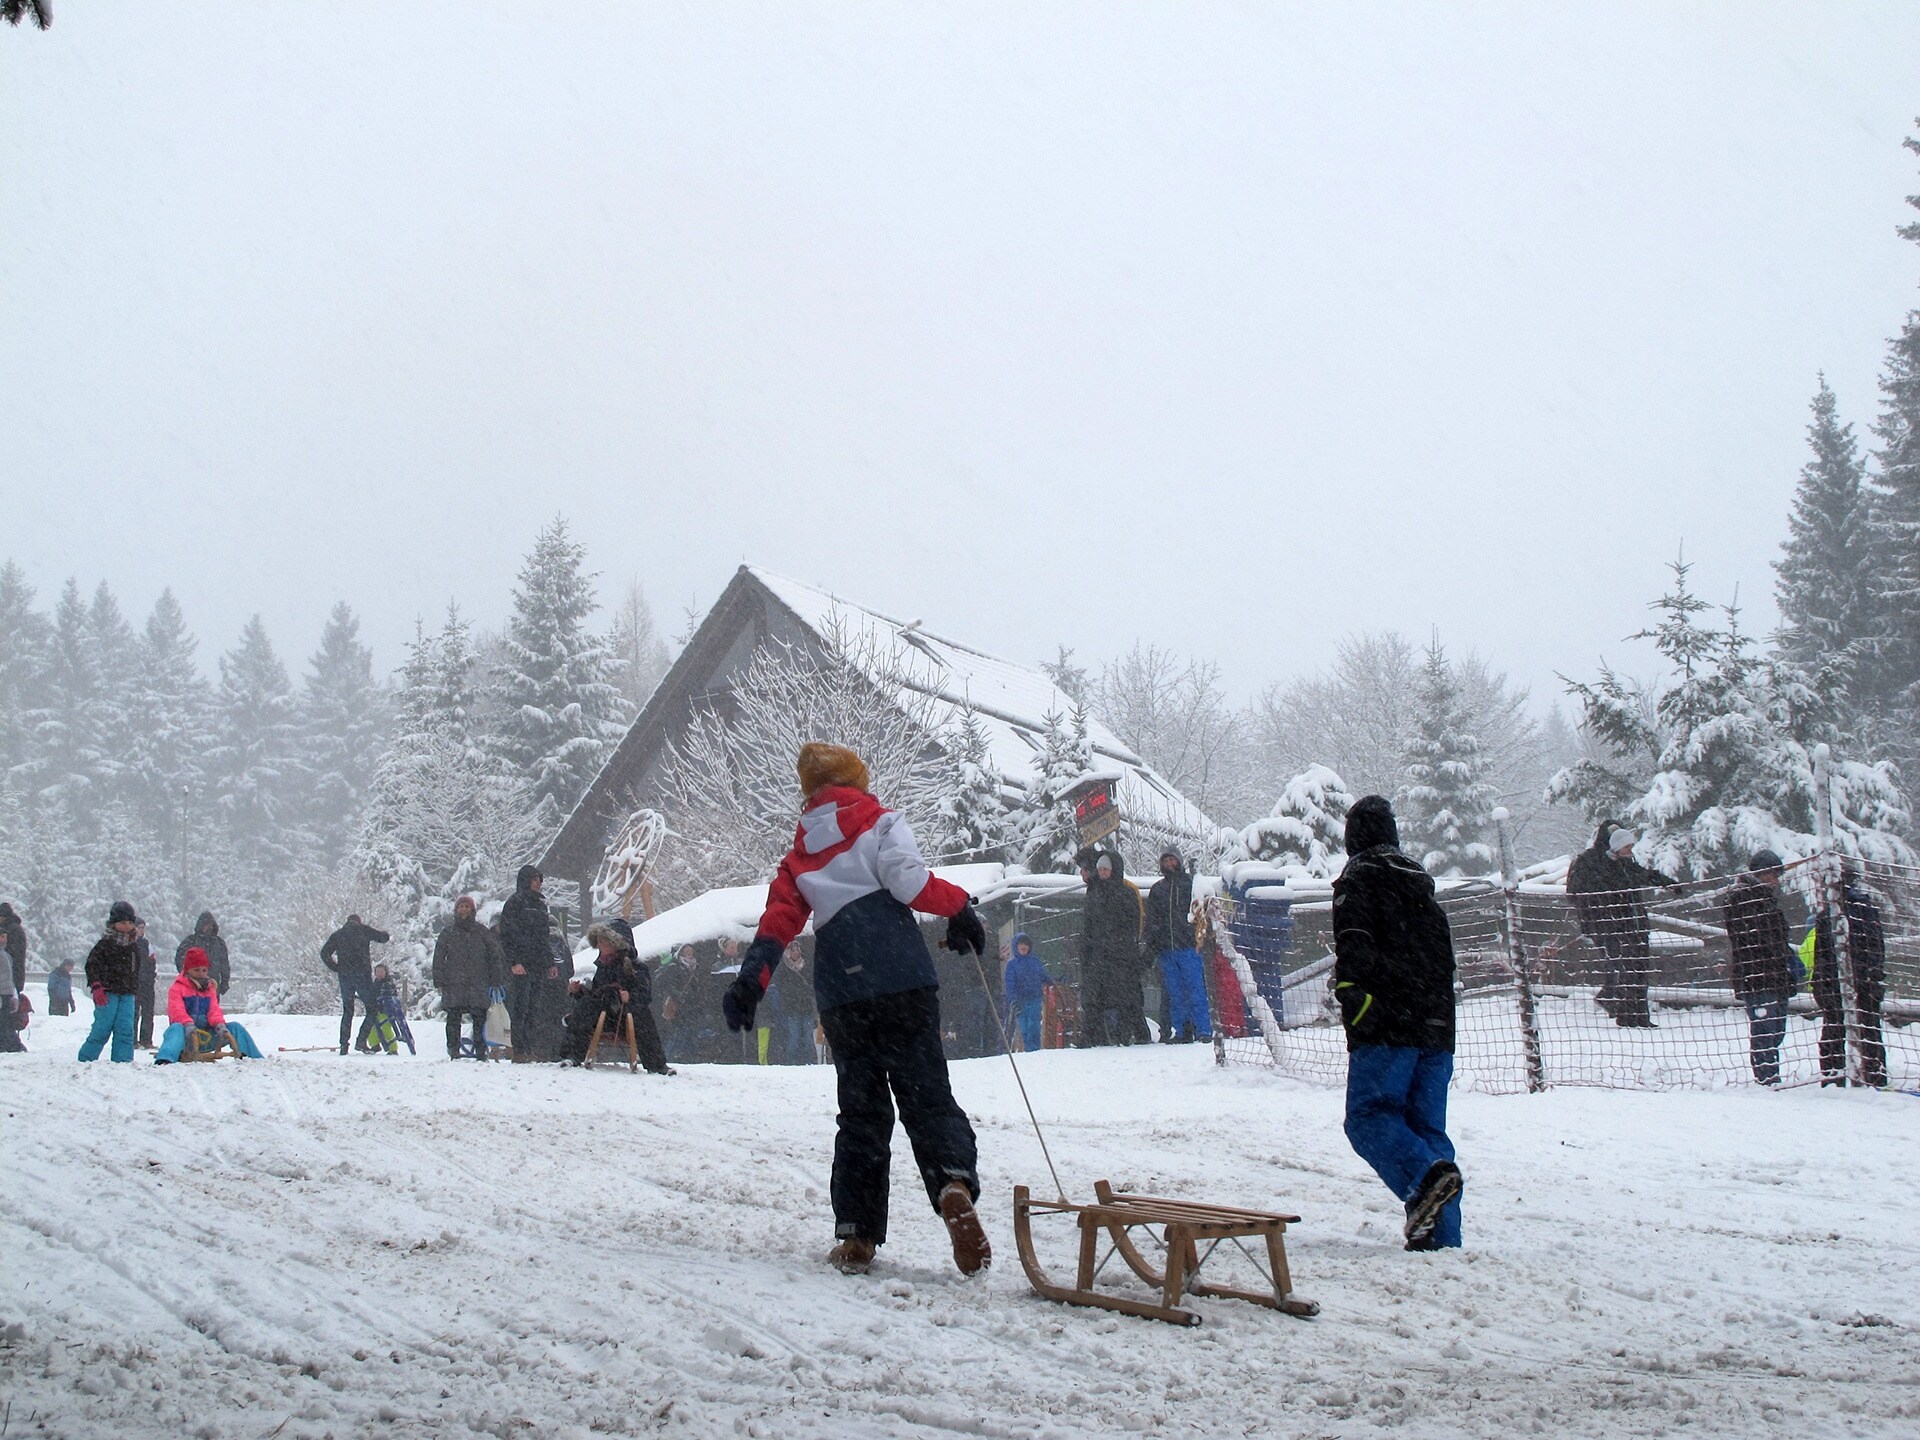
{"x":201,"y":1045}
{"x":620,"y":1034}
{"x":1185,"y":1225}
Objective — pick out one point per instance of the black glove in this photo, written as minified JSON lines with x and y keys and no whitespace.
{"x":965,"y":933}
{"x":743,"y":996}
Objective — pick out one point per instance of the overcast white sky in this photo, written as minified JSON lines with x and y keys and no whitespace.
{"x":1234,"y":327}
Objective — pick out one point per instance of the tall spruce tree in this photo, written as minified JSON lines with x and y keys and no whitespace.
{"x":1065,"y":759}
{"x":25,"y":639}
{"x":559,"y":710}
{"x":258,"y":771}
{"x":66,"y":724}
{"x":342,"y":726}
{"x":1448,"y":803}
{"x":166,"y":768}
{"x":637,"y":654}
{"x":116,"y":721}
{"x":976,"y":820}
{"x":1826,"y":587}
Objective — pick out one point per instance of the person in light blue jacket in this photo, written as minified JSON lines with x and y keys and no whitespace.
{"x":1026,"y":984}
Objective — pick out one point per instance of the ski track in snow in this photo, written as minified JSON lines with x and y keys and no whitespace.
{"x":321,"y":1246}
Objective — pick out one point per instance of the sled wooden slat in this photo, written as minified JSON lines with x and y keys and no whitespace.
{"x":196,"y":1049}
{"x":1185,"y":1226}
{"x":621,"y":1034}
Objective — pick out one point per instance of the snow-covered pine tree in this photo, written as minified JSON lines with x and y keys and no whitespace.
{"x":1308,"y":826}
{"x":1826,"y":589}
{"x":256,"y":769}
{"x":342,"y":727}
{"x":1715,"y":762}
{"x":1065,"y":759}
{"x":977,"y":823}
{"x":25,"y":638}
{"x":559,"y":711}
{"x":166,"y":767}
{"x":1890,"y":683}
{"x":66,"y":723}
{"x":1447,"y":807}
{"x":638,"y":654}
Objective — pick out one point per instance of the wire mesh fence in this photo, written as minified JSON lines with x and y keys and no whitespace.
{"x":1637,"y":989}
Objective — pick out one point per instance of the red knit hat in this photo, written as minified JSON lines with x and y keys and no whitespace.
{"x":193,"y":957}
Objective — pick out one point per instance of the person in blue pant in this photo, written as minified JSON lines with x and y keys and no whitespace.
{"x":1026,"y":986}
{"x":1170,"y":936}
{"x":111,"y":967}
{"x":193,"y":1004}
{"x":1393,"y":977}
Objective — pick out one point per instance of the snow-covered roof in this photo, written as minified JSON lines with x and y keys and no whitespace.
{"x":1011,"y":701}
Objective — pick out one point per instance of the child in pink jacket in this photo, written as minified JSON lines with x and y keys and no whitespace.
{"x":194,"y":1004}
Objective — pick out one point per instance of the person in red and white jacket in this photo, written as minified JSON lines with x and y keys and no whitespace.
{"x":856,"y":869}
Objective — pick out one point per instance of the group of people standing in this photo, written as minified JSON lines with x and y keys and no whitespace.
{"x":1765,"y":968}
{"x":1125,"y":939}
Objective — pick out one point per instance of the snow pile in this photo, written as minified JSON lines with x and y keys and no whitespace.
{"x":322,"y":1246}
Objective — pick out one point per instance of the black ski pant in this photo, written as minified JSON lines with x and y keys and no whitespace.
{"x":891,"y":1043}
{"x":1870,"y":991}
{"x":143,"y":1015}
{"x":455,"y":1014}
{"x":354,"y":987}
{"x":523,"y":1011}
{"x":1629,"y":971}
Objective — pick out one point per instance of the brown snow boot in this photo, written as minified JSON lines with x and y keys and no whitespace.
{"x":971,"y":1252}
{"x":852,"y":1256}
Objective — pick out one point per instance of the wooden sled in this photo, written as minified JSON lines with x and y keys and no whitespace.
{"x":1186,"y":1225}
{"x":621,"y":1032}
{"x":202,"y":1046}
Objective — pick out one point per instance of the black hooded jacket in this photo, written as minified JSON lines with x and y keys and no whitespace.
{"x":1866,"y":941}
{"x":111,"y":964}
{"x":1393,"y":947}
{"x":1606,"y":897}
{"x":1761,"y":961}
{"x":349,"y":950}
{"x":1112,"y":928}
{"x":206,"y":935}
{"x":15,"y":936}
{"x":524,"y":926}
{"x":1170,"y":912}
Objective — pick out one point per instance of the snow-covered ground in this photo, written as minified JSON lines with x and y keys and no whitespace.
{"x":321,"y":1246}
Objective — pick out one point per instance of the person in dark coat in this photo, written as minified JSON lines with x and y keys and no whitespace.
{"x":619,"y":986}
{"x":1170,"y":938}
{"x":206,"y":936}
{"x":1867,"y":947}
{"x":524,"y":928}
{"x":794,"y":1014}
{"x":467,"y":968}
{"x":1112,"y":1006}
{"x":549,"y":1032}
{"x":145,"y":977}
{"x":112,"y":972}
{"x":1393,"y":976}
{"x":1606,"y":885}
{"x":1761,"y":960}
{"x":60,"y":989}
{"x":348,"y":953}
{"x":856,"y":869}
{"x":13,"y":935}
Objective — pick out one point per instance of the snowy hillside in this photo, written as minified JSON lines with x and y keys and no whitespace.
{"x":323,"y":1247}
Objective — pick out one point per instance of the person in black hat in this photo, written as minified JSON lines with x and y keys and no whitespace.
{"x":1761,"y":960}
{"x":1393,"y":976}
{"x":111,"y":972}
{"x":1867,"y":947}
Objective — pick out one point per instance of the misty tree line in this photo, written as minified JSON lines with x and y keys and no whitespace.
{"x":128,"y":772}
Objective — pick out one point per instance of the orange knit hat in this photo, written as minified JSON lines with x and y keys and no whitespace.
{"x":822,"y":764}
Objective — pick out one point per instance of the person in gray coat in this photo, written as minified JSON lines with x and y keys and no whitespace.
{"x":467,"y":967}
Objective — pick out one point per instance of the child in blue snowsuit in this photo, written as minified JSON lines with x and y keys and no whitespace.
{"x":1026,"y":984}
{"x":1393,"y":977}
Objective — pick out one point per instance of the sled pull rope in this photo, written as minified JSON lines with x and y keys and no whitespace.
{"x":1006,"y":1044}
